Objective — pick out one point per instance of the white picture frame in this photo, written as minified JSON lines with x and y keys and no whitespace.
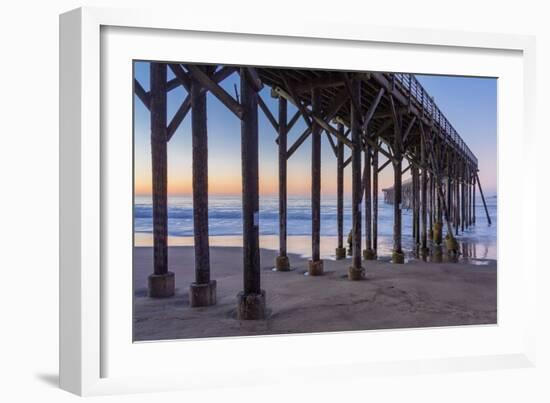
{"x":89,"y":336}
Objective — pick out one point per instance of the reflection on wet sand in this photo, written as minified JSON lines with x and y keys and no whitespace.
{"x":469,"y":251}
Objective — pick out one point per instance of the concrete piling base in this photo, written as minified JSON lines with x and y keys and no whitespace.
{"x":340,"y":253}
{"x":398,"y":257}
{"x":161,"y":285}
{"x":368,"y":254}
{"x":355,"y":273}
{"x":202,"y":294}
{"x":282,"y":263}
{"x":315,"y":268}
{"x":251,"y":306}
{"x":452,"y":244}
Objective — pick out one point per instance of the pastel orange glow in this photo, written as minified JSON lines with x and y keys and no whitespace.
{"x":183,"y":186}
{"x":229,"y":183}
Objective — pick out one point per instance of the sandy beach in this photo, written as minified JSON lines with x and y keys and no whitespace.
{"x":415,"y":294}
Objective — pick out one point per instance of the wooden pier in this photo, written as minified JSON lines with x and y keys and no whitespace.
{"x":364,"y":114}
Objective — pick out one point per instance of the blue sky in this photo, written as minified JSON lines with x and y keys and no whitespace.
{"x":468,"y":103}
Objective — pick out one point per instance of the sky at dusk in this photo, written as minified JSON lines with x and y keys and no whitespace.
{"x":470,"y":104}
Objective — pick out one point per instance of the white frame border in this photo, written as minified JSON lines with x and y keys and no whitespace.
{"x":80,"y":165}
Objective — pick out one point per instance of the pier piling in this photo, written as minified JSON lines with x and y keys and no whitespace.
{"x":282,"y":263}
{"x":203,"y":291}
{"x":375,"y":199}
{"x":251,"y":301}
{"x":356,"y":272}
{"x":368,"y":253}
{"x":161,"y":282}
{"x":315,"y":264}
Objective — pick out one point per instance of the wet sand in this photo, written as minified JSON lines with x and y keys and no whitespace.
{"x":415,"y":294}
{"x":470,"y":247}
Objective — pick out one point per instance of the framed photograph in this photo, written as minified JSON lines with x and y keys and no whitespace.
{"x":240,"y":201}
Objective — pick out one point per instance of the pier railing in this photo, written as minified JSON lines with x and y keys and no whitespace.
{"x":412,"y":87}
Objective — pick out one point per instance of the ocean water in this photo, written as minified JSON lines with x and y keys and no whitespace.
{"x":225,"y":214}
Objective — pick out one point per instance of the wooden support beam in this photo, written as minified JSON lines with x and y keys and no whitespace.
{"x":143,"y":95}
{"x":384,"y":165}
{"x":215,"y":89}
{"x":398,"y":140}
{"x":334,"y":80}
{"x":340,"y":193}
{"x":483,"y":199}
{"x":470,"y":200}
{"x":416,"y":205}
{"x":178,"y":117}
{"x":282,"y":262}
{"x":323,"y":123}
{"x":473,"y":193}
{"x":199,"y":141}
{"x":372,"y":108}
{"x":316,"y":179}
{"x":423,"y":199}
{"x":375,"y":200}
{"x":412,"y":204}
{"x":292,"y":97}
{"x":397,"y":254}
{"x":252,"y":299}
{"x":327,"y":127}
{"x":474,"y":199}
{"x":250,"y":183}
{"x":368,"y":202}
{"x":385,"y":114}
{"x":355,"y":101}
{"x":431,"y":216}
{"x":181,"y":76}
{"x":408,"y":130}
{"x":462,"y":206}
{"x":331,"y":142}
{"x":159,"y":166}
{"x":372,"y":143}
{"x":223,"y":73}
{"x":254,"y":78}
{"x":293,"y":120}
{"x":457,"y":202}
{"x":450,"y":190}
{"x":384,"y":126}
{"x":185,"y":106}
{"x":347,"y":161}
{"x":417,"y":196}
{"x":161,"y":282}
{"x":268,"y":113}
{"x":173,"y":84}
{"x":298,"y":142}
{"x":338,"y":101}
{"x":356,"y":272}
